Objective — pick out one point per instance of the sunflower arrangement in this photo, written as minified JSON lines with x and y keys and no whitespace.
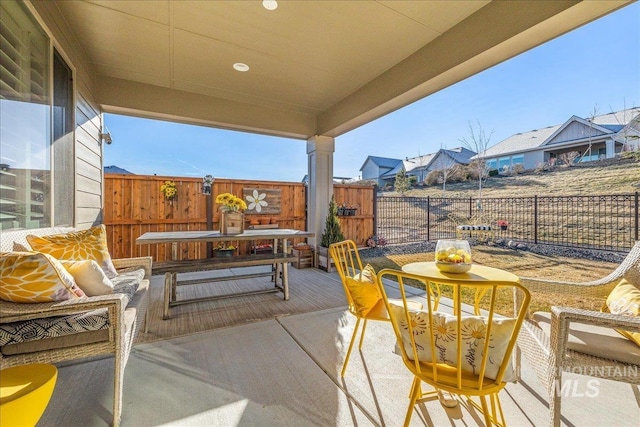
{"x":230,"y":203}
{"x":168,"y":188}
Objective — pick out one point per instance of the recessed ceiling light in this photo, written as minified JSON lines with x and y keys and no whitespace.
{"x":270,"y":4}
{"x":239,"y":66}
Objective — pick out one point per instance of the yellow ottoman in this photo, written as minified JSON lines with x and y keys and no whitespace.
{"x":24,"y":393}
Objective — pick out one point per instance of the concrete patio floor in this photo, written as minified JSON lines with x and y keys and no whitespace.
{"x":285,"y":371}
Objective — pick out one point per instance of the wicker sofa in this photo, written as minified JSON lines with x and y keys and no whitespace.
{"x":572,"y":339}
{"x":121,"y":316}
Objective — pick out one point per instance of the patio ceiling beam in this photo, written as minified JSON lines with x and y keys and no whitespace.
{"x":495,"y":33}
{"x":144,"y":100}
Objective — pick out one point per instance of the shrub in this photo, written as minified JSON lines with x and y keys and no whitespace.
{"x":493,"y":172}
{"x":433,"y":177}
{"x":332,"y":232}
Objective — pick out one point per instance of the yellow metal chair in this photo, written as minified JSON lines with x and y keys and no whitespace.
{"x":25,"y":392}
{"x":363,"y":297}
{"x":450,"y":350}
{"x":360,"y":287}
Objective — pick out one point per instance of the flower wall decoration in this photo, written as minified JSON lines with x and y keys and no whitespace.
{"x":262,"y":201}
{"x":169,"y":190}
{"x":230,"y":203}
{"x":257,"y":201}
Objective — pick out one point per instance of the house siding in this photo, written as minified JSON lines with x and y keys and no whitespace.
{"x":371,"y":171}
{"x":533,"y":159}
{"x":89,"y":153}
{"x":573,"y":132}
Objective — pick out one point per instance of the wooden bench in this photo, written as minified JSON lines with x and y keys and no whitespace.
{"x":485,"y":232}
{"x":170,"y":269}
{"x":475,"y":225}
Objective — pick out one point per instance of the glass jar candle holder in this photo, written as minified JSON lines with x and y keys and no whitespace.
{"x":453,"y":256}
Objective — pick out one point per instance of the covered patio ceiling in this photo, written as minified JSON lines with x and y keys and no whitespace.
{"x":316,"y":67}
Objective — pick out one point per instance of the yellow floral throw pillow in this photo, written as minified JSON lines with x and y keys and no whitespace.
{"x":473,"y":335}
{"x":90,"y":244}
{"x":624,"y":299}
{"x":364,"y":290}
{"x":35,"y":277}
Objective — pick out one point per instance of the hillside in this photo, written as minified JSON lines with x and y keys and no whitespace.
{"x":607,"y":177}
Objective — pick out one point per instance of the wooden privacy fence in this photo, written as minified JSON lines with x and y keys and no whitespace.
{"x":134,"y":205}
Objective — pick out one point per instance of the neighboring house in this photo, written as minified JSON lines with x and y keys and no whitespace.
{"x":377,"y":168}
{"x":601,"y":137}
{"x":442,"y":159}
{"x":116,"y":169}
{"x":336,"y":180}
{"x":384,"y":170}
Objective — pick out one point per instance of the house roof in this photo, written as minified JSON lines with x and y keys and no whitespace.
{"x":460,"y":154}
{"x":419,"y":161}
{"x":526,"y":141}
{"x":382,"y":162}
{"x":619,"y":118}
{"x":116,"y":169}
{"x":316,"y":67}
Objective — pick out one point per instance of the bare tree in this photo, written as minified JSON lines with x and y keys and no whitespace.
{"x":420,"y":162}
{"x":446,"y":166}
{"x":478,"y":142}
{"x":631,"y":131}
{"x":591,"y":118}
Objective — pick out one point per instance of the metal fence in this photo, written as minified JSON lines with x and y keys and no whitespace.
{"x":603,"y":222}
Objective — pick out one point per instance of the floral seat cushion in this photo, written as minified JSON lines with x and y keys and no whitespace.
{"x":79,"y":328}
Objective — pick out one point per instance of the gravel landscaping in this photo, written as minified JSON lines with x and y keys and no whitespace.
{"x":545,"y":250}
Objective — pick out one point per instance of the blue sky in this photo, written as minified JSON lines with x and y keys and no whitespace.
{"x":596,"y":67}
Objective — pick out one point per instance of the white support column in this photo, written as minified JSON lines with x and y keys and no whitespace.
{"x":320,"y":151}
{"x":611,"y":148}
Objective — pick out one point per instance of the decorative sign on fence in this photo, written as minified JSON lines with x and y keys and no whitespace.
{"x":261,"y":201}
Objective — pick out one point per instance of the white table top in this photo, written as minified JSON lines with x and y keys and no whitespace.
{"x":478,"y":273}
{"x":215,"y":236}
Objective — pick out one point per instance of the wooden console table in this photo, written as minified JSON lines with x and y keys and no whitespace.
{"x":170,"y":269}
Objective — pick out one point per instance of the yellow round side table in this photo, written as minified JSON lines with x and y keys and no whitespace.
{"x":25,"y":392}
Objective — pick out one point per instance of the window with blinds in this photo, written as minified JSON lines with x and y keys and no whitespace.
{"x":25,"y":114}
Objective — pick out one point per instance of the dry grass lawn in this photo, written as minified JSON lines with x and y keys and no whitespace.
{"x":608,"y":177}
{"x":574,"y":181}
{"x":523,"y":264}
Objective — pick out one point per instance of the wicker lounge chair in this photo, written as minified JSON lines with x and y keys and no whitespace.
{"x":115,"y":339}
{"x":581,"y":341}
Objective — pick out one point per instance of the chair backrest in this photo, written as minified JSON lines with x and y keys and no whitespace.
{"x":346,"y":257}
{"x":447,"y":345}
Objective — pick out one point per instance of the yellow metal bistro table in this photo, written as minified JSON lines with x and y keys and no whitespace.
{"x":478,"y":274}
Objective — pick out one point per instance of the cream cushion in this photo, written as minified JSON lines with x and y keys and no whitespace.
{"x":89,"y":277}
{"x":31,"y":277}
{"x":594,"y":340}
{"x":624,"y":299}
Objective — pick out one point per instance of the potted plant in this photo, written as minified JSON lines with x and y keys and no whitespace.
{"x":232,"y":218}
{"x":503,"y":224}
{"x":332,"y":234}
{"x":224,"y":250}
{"x":376,"y":241}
